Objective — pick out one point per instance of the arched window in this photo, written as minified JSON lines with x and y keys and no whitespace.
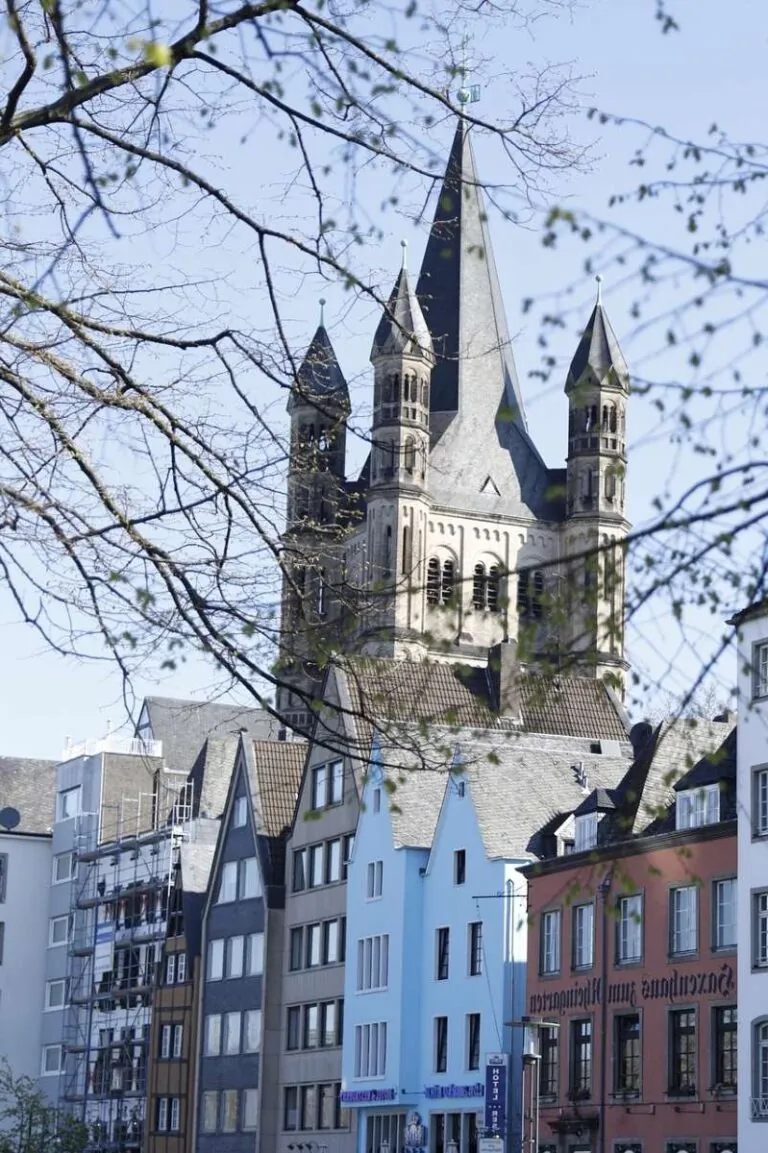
{"x":425,"y":394}
{"x":530,"y":594}
{"x":433,"y":581}
{"x":610,"y":485}
{"x":537,"y":605}
{"x":448,"y":582}
{"x":321,"y":600}
{"x":605,"y":416}
{"x":409,"y":456}
{"x":388,"y":386}
{"x":492,"y":589}
{"x":613,"y":418}
{"x":523,"y":595}
{"x":478,"y":587}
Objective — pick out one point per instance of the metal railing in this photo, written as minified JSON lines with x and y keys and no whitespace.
{"x":127,"y":746}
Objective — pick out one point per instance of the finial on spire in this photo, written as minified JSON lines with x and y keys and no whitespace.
{"x":404,"y":246}
{"x":322,"y":312}
{"x":468,"y":93}
{"x":599,"y":280}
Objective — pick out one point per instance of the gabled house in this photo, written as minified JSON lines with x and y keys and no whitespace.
{"x":238,"y":1015}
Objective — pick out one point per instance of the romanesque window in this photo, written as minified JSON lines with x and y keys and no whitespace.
{"x":530,"y":594}
{"x":441,"y":581}
{"x":433,"y":581}
{"x":409,"y":456}
{"x":485,"y":588}
{"x":448,"y":582}
{"x":478,"y":587}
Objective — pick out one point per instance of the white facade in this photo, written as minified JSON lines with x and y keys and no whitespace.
{"x":752,"y":794}
{"x":26,"y":866}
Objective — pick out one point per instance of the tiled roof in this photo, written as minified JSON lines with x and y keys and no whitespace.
{"x":439,"y":693}
{"x":278,"y":766}
{"x":184,"y":726}
{"x":29,"y":786}
{"x":211,"y":775}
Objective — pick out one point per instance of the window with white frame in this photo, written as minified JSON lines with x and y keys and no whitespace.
{"x":375,"y":879}
{"x":684,"y":919}
{"x":724,"y":909}
{"x":373,"y":963}
{"x":178,"y":1040}
{"x":59,"y":930}
{"x":212,"y":1032}
{"x":3,"y":875}
{"x":760,"y":930}
{"x":328,"y":785}
{"x":210,"y":1111}
{"x":760,"y":1071}
{"x":629,"y":929}
{"x":550,"y":941}
{"x":235,"y":956}
{"x":250,"y":879}
{"x":333,"y":851}
{"x":68,"y":803}
{"x":63,"y":867}
{"x":53,"y":1060}
{"x":254,"y":955}
{"x":585,"y":832}
{"x":371,"y":1050}
{"x":227,"y":883}
{"x":231,"y":1026}
{"x":252,"y":1031}
{"x":583,"y":935}
{"x":240,"y":814}
{"x":697,"y":807}
{"x":315,"y":872}
{"x":215,"y":967}
{"x":55,"y":994}
{"x":168,"y":1114}
{"x":760,"y":670}
{"x":250,"y":1110}
{"x":760,"y":803}
{"x":165,"y":1042}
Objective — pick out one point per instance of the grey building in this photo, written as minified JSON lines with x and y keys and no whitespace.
{"x":239,"y":1005}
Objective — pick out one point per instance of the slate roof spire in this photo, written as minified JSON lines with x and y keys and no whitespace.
{"x":319,"y":379}
{"x":598,"y":359}
{"x":402,"y":330}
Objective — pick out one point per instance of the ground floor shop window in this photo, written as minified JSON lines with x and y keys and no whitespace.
{"x":453,"y":1132}
{"x":384,"y":1129}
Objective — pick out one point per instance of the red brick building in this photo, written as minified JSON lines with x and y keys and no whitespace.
{"x":631,"y":983}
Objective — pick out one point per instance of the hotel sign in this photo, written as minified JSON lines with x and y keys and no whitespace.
{"x":367,"y":1096}
{"x":495,"y":1094}
{"x":584,"y":994}
{"x":476,"y":1090}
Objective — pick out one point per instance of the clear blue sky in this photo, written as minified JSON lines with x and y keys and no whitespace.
{"x":713,"y":70}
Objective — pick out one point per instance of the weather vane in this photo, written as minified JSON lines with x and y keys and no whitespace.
{"x":468,"y":93}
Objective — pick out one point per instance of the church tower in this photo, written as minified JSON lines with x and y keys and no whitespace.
{"x":318,"y":407}
{"x":397,"y":504}
{"x":597,"y":387}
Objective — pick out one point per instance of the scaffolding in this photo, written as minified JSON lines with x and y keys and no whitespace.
{"x":123,"y":868}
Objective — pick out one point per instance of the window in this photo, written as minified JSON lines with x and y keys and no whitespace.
{"x":291,"y":1108}
{"x":252,"y":1031}
{"x":254,"y":955}
{"x":585,"y":832}
{"x":181,"y":968}
{"x":459,"y":867}
{"x":240,"y":815}
{"x":296,"y":960}
{"x":299,"y":870}
{"x":433,"y":581}
{"x":530,"y":594}
{"x":629,"y":929}
{"x":327,"y":1113}
{"x":333,"y":941}
{"x":307,"y":1106}
{"x":548,"y":1062}
{"x":231,"y":1034}
{"x":68,"y":803}
{"x":682,"y":1052}
{"x":310,"y":1032}
{"x":215,"y":970}
{"x":178,"y":1040}
{"x":229,"y":1111}
{"x":250,"y":881}
{"x":170,"y":969}
{"x":697,"y":807}
{"x":162,"y":1114}
{"x":319,"y":787}
{"x":724,"y":911}
{"x":373,"y":963}
{"x":55,"y":994}
{"x":315,"y":872}
{"x":250,"y":1117}
{"x":63,"y":869}
{"x":475,"y":948}
{"x":550,"y":941}
{"x":227,"y":883}
{"x":760,"y":803}
{"x":583,"y":936}
{"x":760,"y":1071}
{"x":313,"y":946}
{"x":213,"y":1035}
{"x":165,"y":1042}
{"x":442,"y":954}
{"x":328,"y":785}
{"x":760,"y":670}
{"x":725,"y":1045}
{"x":210,"y":1110}
{"x":627,"y":1064}
{"x":375,"y":879}
{"x":349,"y":842}
{"x":377,"y":800}
{"x":235,"y":951}
{"x":53,"y":1060}
{"x":293,"y":1027}
{"x":684,"y":919}
{"x":371,"y":1050}
{"x":581,"y":1060}
{"x":4,"y":874}
{"x":59,"y":930}
{"x":760,"y":930}
{"x":473,"y":1041}
{"x":331,"y":1013}
{"x":441,"y":1044}
{"x":333,"y":861}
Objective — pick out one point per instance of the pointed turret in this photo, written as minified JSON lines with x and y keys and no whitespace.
{"x":402,"y":330}
{"x":319,"y":379}
{"x":598,"y":361}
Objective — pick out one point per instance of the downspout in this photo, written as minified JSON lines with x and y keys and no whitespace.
{"x":605,"y":887}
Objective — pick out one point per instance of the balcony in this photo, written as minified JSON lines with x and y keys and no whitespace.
{"x":760,"y":1108}
{"x":126,"y":746}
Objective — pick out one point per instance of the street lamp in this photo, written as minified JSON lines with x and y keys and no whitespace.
{"x":532,"y":1027}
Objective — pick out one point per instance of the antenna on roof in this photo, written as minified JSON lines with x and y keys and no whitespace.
{"x":468,"y":93}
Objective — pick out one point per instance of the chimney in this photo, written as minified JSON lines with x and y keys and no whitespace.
{"x":504,"y":675}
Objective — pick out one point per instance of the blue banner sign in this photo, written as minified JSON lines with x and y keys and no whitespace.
{"x":476,"y":1090}
{"x":496,"y":1095}
{"x":365,"y":1096}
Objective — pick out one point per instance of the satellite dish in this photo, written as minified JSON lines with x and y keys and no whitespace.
{"x":9,"y":818}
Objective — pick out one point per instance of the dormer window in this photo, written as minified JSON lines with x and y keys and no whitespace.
{"x":585,"y":832}
{"x":760,"y":670}
{"x":697,"y":807}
